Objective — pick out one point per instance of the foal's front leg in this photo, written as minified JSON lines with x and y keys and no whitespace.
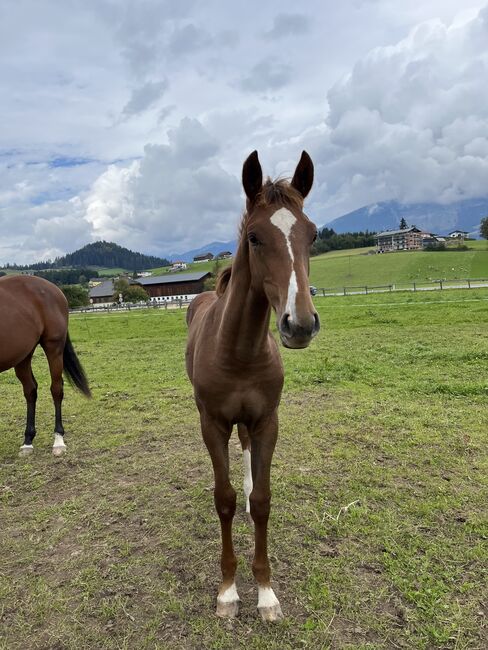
{"x":263,"y":441}
{"x":216,"y":438}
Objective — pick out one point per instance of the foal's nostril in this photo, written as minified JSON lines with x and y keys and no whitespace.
{"x":316,"y":324}
{"x":285,"y":326}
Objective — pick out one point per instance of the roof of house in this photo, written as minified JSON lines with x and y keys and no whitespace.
{"x":398,"y":232}
{"x":204,"y":255}
{"x":175,"y":277}
{"x":464,"y":232}
{"x":102,"y":290}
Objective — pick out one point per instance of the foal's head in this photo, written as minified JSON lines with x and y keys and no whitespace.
{"x":279,"y":237}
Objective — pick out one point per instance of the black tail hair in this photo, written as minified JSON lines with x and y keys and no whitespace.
{"x":73,"y":369}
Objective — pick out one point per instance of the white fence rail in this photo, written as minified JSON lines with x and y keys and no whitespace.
{"x":435,"y":285}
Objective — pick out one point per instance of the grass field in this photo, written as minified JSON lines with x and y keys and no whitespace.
{"x":353,"y":268}
{"x":116,"y":545}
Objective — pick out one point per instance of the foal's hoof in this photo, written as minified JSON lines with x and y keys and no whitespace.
{"x":269,"y":605}
{"x":273,"y":613}
{"x":227,"y":610}
{"x":59,"y":450}
{"x":26,"y":450}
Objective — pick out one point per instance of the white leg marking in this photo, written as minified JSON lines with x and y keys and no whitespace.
{"x":230,"y":595}
{"x":58,"y":447}
{"x":284,"y":220}
{"x":27,"y":449}
{"x":228,"y":602}
{"x":246,"y":459}
{"x":268,"y":605}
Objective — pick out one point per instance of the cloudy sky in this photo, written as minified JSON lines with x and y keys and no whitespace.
{"x":129,"y":120}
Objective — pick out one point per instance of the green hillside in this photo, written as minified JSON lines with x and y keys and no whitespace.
{"x":355,"y":267}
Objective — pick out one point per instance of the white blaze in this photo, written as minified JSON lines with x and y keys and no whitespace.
{"x":284,"y":220}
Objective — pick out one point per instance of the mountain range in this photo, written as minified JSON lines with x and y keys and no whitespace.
{"x":433,"y":217}
{"x":377,"y":217}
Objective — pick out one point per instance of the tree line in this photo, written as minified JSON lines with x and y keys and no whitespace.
{"x":329,"y":240}
{"x":100,"y":253}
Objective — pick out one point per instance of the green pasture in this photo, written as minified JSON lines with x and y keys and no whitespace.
{"x":356,"y":267}
{"x":378,"y":529}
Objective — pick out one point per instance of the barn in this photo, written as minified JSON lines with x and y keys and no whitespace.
{"x":176,"y":286}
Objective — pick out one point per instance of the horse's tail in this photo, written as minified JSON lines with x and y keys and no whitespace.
{"x":73,"y":369}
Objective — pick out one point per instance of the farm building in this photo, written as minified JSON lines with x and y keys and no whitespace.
{"x":102,"y":293}
{"x":203,"y":258}
{"x":224,"y":255}
{"x":399,"y":240}
{"x":183,"y":286}
{"x":458,"y":234}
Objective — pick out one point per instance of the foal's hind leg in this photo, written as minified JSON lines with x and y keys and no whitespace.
{"x":263,"y":441}
{"x":24,"y":373}
{"x":246,"y":460}
{"x":216,"y":439}
{"x":54,"y":354}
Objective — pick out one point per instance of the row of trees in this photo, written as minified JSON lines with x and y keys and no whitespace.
{"x":329,"y":240}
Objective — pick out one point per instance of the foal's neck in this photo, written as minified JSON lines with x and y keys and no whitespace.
{"x":245,"y":320}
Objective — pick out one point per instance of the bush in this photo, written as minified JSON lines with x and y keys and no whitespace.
{"x":76,"y":296}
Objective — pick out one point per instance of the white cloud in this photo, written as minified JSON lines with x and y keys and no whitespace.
{"x":130,"y":121}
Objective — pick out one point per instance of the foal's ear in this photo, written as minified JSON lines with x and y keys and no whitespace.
{"x":303,"y":177}
{"x":252,"y":176}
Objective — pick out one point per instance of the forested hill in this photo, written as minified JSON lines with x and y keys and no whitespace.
{"x":108,"y":254}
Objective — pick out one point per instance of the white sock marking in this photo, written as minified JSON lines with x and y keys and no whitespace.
{"x":284,"y":220}
{"x":58,"y":440}
{"x":27,"y":447}
{"x":230,"y":595}
{"x":246,"y":459}
{"x":266,"y":597}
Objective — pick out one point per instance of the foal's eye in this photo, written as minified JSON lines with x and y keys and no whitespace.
{"x":253,"y":240}
{"x":315,"y":237}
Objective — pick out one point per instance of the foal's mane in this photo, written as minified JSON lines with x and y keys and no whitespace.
{"x":277,"y":192}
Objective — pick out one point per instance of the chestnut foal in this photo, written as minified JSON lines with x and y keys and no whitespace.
{"x":234,"y":364}
{"x":34,"y":311}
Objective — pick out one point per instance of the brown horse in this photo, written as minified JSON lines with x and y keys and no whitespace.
{"x":35,"y":311}
{"x":234,"y":364}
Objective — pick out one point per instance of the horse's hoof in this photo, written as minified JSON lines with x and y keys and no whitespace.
{"x":227,"y":610}
{"x":269,"y":605}
{"x":59,"y":450}
{"x":273,"y":613}
{"x":26,"y":450}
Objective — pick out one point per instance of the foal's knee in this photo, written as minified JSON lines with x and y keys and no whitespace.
{"x":260,"y":507}
{"x":225,"y":503}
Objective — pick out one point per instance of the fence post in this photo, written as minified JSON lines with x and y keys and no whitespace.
{"x":323,"y":292}
{"x":366,"y":290}
{"x":469,"y":284}
{"x":414,"y":286}
{"x":440,"y":284}
{"x":391,"y":288}
{"x":344,"y":290}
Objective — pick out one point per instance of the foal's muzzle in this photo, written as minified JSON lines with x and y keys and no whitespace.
{"x":299,"y":333}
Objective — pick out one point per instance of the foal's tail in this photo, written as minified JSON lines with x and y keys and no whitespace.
{"x":73,"y":369}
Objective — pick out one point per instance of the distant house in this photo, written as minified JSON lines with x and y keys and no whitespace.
{"x":102,"y":294}
{"x":458,"y":234}
{"x":203,"y":258}
{"x":224,"y":255}
{"x":406,"y":239}
{"x":179,"y":286}
{"x":178,"y":266}
{"x":432,"y":240}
